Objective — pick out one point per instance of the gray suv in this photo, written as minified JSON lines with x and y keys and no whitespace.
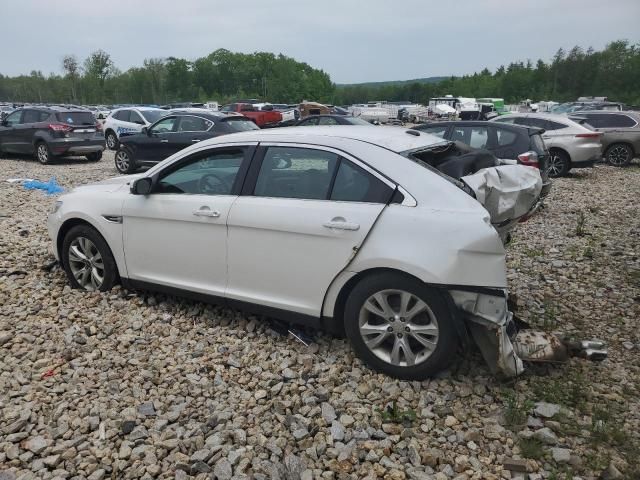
{"x":48,"y":132}
{"x":619,"y":133}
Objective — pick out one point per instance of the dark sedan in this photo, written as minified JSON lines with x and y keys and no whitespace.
{"x":325,"y":120}
{"x":172,"y":133}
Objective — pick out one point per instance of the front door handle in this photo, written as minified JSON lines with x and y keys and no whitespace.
{"x":341,"y":225}
{"x":206,"y":212}
{"x":195,"y":140}
{"x":164,"y":141}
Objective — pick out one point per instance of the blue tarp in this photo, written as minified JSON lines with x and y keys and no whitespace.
{"x":50,"y":188}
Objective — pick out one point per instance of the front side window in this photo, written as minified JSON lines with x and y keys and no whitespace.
{"x":136,"y":118}
{"x":212,"y":173}
{"x":288,"y":172}
{"x":193,"y":124}
{"x":13,"y":118}
{"x":327,"y":121}
{"x":438,"y":131}
{"x":164,"y":126}
{"x":476,"y":137}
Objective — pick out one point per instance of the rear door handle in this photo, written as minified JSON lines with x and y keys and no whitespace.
{"x":206,"y":212}
{"x":195,"y":140}
{"x":338,"y":225}
{"x":164,"y":141}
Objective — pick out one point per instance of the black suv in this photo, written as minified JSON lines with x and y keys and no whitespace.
{"x":51,"y":131}
{"x":172,"y":133}
{"x":513,"y":142}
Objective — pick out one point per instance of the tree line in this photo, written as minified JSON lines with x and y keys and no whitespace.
{"x":224,"y":76}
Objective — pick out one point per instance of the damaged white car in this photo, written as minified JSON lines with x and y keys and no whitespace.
{"x":343,"y":228}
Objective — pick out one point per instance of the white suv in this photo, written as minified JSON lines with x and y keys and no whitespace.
{"x":129,"y":120}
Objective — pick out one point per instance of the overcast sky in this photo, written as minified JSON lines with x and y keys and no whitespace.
{"x":352,"y":40}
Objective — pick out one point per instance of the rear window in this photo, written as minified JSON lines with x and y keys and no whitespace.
{"x":153,"y":116}
{"x":76,"y":118}
{"x":239,"y":124}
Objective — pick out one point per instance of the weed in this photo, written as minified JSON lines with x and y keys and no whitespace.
{"x":570,"y":391}
{"x":516,"y":411}
{"x":549,"y":318}
{"x":531,"y":448}
{"x":581,"y":222}
{"x":594,"y":209}
{"x":533,"y":252}
{"x":606,"y":428}
{"x":393,"y":414}
{"x":588,"y":252}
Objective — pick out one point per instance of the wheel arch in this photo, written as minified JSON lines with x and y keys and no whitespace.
{"x":335,"y":323}
{"x":67,"y":225}
{"x":622,"y":142}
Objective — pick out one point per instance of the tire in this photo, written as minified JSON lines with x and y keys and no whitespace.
{"x":124,"y":161}
{"x":86,"y":258}
{"x":619,"y":155}
{"x":42,"y":153}
{"x":111,"y":139}
{"x":392,"y":334}
{"x":94,"y":157}
{"x":559,"y":164}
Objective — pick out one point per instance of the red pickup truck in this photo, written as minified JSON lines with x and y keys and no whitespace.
{"x":262,"y":118}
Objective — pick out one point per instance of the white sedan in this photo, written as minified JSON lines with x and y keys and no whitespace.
{"x":341,"y":228}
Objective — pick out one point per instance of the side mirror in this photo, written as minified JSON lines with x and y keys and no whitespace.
{"x":142,"y":186}
{"x":145,"y":130}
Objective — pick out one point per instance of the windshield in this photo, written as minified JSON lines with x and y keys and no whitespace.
{"x":239,"y":124}
{"x":152,"y":116}
{"x":356,"y":121}
{"x":76,"y":118}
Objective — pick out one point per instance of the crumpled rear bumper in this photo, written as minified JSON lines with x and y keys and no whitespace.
{"x":503,"y":345}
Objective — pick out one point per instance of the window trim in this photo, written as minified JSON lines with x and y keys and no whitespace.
{"x":256,"y":164}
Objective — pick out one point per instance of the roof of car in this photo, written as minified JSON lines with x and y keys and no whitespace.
{"x":475,"y":123}
{"x":203,"y":112}
{"x":542,"y":115}
{"x":397,"y":139}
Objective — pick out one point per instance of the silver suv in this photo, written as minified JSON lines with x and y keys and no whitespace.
{"x":570,"y":144}
{"x":619,"y":133}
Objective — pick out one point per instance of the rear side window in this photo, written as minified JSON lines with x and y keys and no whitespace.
{"x":310,"y":121}
{"x":153,"y":115}
{"x":531,"y":122}
{"x":43,"y":116}
{"x":194,"y":124}
{"x":76,"y":118}
{"x":31,"y":116}
{"x":611,"y":120}
{"x":476,"y":137}
{"x":505,"y":137}
{"x":554,"y":125}
{"x":136,"y":118}
{"x":122,"y":115}
{"x":238,"y":124}
{"x":296,"y":173}
{"x":353,"y":184}
{"x":509,"y":120}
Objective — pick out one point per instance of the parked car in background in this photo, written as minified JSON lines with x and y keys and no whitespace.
{"x":391,"y":251}
{"x":505,"y":141}
{"x":5,"y":110}
{"x":172,"y":133}
{"x":570,"y":144}
{"x":129,"y":120}
{"x":261,"y":118}
{"x":619,"y":133}
{"x":52,"y":132}
{"x":332,"y":120}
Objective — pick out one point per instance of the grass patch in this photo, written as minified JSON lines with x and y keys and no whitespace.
{"x":516,"y":410}
{"x":533,"y":252}
{"x":571,"y":391}
{"x":549,"y":317}
{"x":581,"y":224}
{"x":392,"y":414}
{"x":531,"y":448}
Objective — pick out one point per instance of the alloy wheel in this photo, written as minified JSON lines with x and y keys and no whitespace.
{"x":111,"y":141}
{"x":618,"y":156}
{"x":398,"y":327}
{"x":122,"y":161}
{"x":43,"y":153}
{"x":556,"y":165}
{"x":86,"y":264}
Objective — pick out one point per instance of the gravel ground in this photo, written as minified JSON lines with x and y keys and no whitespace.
{"x":133,"y":385}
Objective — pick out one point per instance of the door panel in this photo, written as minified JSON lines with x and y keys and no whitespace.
{"x":284,"y":253}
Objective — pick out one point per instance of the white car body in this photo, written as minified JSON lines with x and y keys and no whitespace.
{"x":370,"y":114}
{"x":133,"y":125}
{"x":297,"y":255}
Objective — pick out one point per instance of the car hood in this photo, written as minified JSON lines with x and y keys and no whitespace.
{"x":108,"y":185}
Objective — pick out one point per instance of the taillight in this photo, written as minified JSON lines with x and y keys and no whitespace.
{"x":529,"y":159}
{"x":60,"y":127}
{"x":588,"y":135}
{"x":98,"y":126}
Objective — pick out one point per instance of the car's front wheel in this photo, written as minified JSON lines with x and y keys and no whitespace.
{"x":125,"y":163}
{"x":619,"y":155}
{"x":559,"y":164}
{"x":87,"y":260}
{"x":399,"y":326}
{"x":111,"y":140}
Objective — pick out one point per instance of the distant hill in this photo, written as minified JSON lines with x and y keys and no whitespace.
{"x":393,"y":82}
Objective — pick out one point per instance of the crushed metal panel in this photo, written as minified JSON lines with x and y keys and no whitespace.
{"x":537,"y":346}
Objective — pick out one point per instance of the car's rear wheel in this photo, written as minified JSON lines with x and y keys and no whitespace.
{"x":87,"y":260}
{"x":124,"y":161}
{"x":94,"y":156}
{"x":559,"y":164}
{"x":111,"y":140}
{"x":619,"y":155}
{"x":399,"y":326}
{"x":42,"y":153}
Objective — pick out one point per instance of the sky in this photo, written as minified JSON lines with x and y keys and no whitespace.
{"x":352,"y":40}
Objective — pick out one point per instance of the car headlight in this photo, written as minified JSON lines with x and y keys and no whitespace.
{"x":56,"y":206}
